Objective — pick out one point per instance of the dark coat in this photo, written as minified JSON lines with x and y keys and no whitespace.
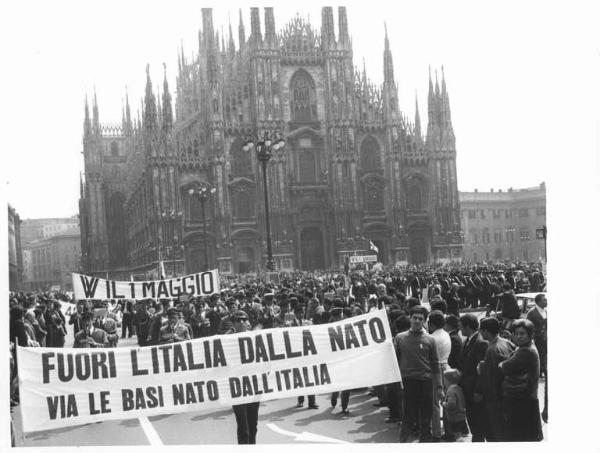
{"x":473,"y":352}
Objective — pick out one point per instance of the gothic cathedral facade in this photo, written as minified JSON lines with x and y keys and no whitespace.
{"x":354,"y":169}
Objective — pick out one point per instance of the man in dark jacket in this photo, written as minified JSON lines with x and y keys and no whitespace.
{"x":489,"y":382}
{"x":508,"y":303}
{"x":456,"y":341}
{"x":473,"y":352}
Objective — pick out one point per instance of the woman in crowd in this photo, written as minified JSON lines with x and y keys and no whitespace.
{"x":520,"y":386}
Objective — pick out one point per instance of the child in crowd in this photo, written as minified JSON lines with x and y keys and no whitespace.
{"x":455,"y":413}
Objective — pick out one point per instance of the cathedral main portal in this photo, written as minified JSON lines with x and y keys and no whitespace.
{"x":312,"y":250}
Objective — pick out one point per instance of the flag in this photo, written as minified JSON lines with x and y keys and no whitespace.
{"x":373,"y":247}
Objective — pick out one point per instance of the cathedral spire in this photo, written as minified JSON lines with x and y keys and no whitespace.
{"x":327,"y":31}
{"x":149,"y":105}
{"x":96,"y":116}
{"x":87,"y":123}
{"x":270,"y":35}
{"x":128,"y":112}
{"x":388,"y":63}
{"x":343,"y":25}
{"x":211,"y":45}
{"x":241,"y":32}
{"x":230,"y":43}
{"x":417,"y":118}
{"x":167,"y":115}
{"x":255,"y":32}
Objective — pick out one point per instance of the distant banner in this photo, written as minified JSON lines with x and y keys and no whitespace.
{"x":66,"y":387}
{"x":202,"y":284}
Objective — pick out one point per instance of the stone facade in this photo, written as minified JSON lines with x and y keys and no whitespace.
{"x":15,"y":253}
{"x":502,"y":224}
{"x":353,"y":169}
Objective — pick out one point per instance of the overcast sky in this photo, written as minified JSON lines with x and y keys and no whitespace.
{"x":505,"y":63}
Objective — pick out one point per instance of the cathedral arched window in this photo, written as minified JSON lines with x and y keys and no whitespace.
{"x":370,"y":157}
{"x":117,"y":240}
{"x":243,"y":205}
{"x":307,"y":167}
{"x":414,"y":198}
{"x":303,"y":101}
{"x":241,"y":161}
{"x":373,"y":197}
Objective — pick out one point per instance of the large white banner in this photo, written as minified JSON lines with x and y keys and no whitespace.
{"x":202,"y":284}
{"x":64,"y":387}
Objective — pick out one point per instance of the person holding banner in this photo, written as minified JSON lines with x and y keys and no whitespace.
{"x":90,"y":336}
{"x":174,"y":331}
{"x":246,"y":415}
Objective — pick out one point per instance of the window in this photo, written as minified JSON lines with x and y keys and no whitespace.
{"x":114,"y":149}
{"x":414,"y":197}
{"x":307,"y":167}
{"x":496,"y":213}
{"x":373,"y":194}
{"x":510,"y":234}
{"x":243,"y":205}
{"x":472,"y":213}
{"x":541,"y":210}
{"x":482,"y":214}
{"x":303,"y":104}
{"x":523,"y":212}
{"x":508,"y":213}
{"x":497,"y":236}
{"x":370,"y":157}
{"x":524,"y":235}
{"x":485,"y":236}
{"x":473,"y":235}
{"x":241,"y":161}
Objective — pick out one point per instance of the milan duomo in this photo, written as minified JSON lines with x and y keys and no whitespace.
{"x":353,"y":169}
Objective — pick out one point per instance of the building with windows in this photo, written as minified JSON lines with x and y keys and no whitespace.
{"x":353,"y":169}
{"x":49,"y":262}
{"x":500,"y":225}
{"x":15,"y":252}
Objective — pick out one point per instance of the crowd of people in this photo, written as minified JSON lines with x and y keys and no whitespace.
{"x":465,"y":369}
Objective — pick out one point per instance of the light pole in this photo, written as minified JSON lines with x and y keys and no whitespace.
{"x":171,"y":216}
{"x":542,"y":233}
{"x":264,"y":147}
{"x":203,"y":190}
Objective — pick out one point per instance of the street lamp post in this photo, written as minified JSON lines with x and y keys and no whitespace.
{"x":203,"y":190}
{"x":542,"y":233}
{"x":264,"y":150}
{"x":171,"y":216}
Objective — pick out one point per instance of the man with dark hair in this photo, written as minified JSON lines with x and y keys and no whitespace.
{"x":539,"y":317}
{"x":420,"y":368}
{"x":436,"y":302}
{"x":489,"y":382}
{"x":473,"y":352}
{"x":90,"y":336}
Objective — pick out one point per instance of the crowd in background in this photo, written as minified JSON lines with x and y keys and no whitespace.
{"x":473,"y":370}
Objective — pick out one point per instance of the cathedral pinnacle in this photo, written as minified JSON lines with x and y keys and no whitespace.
{"x":417,"y":118}
{"x":149,"y":108}
{"x":87,"y":124}
{"x":388,"y":62}
{"x":167,"y":110}
{"x":241,"y":32}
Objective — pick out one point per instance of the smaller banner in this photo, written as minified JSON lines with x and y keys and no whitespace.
{"x":202,"y":284}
